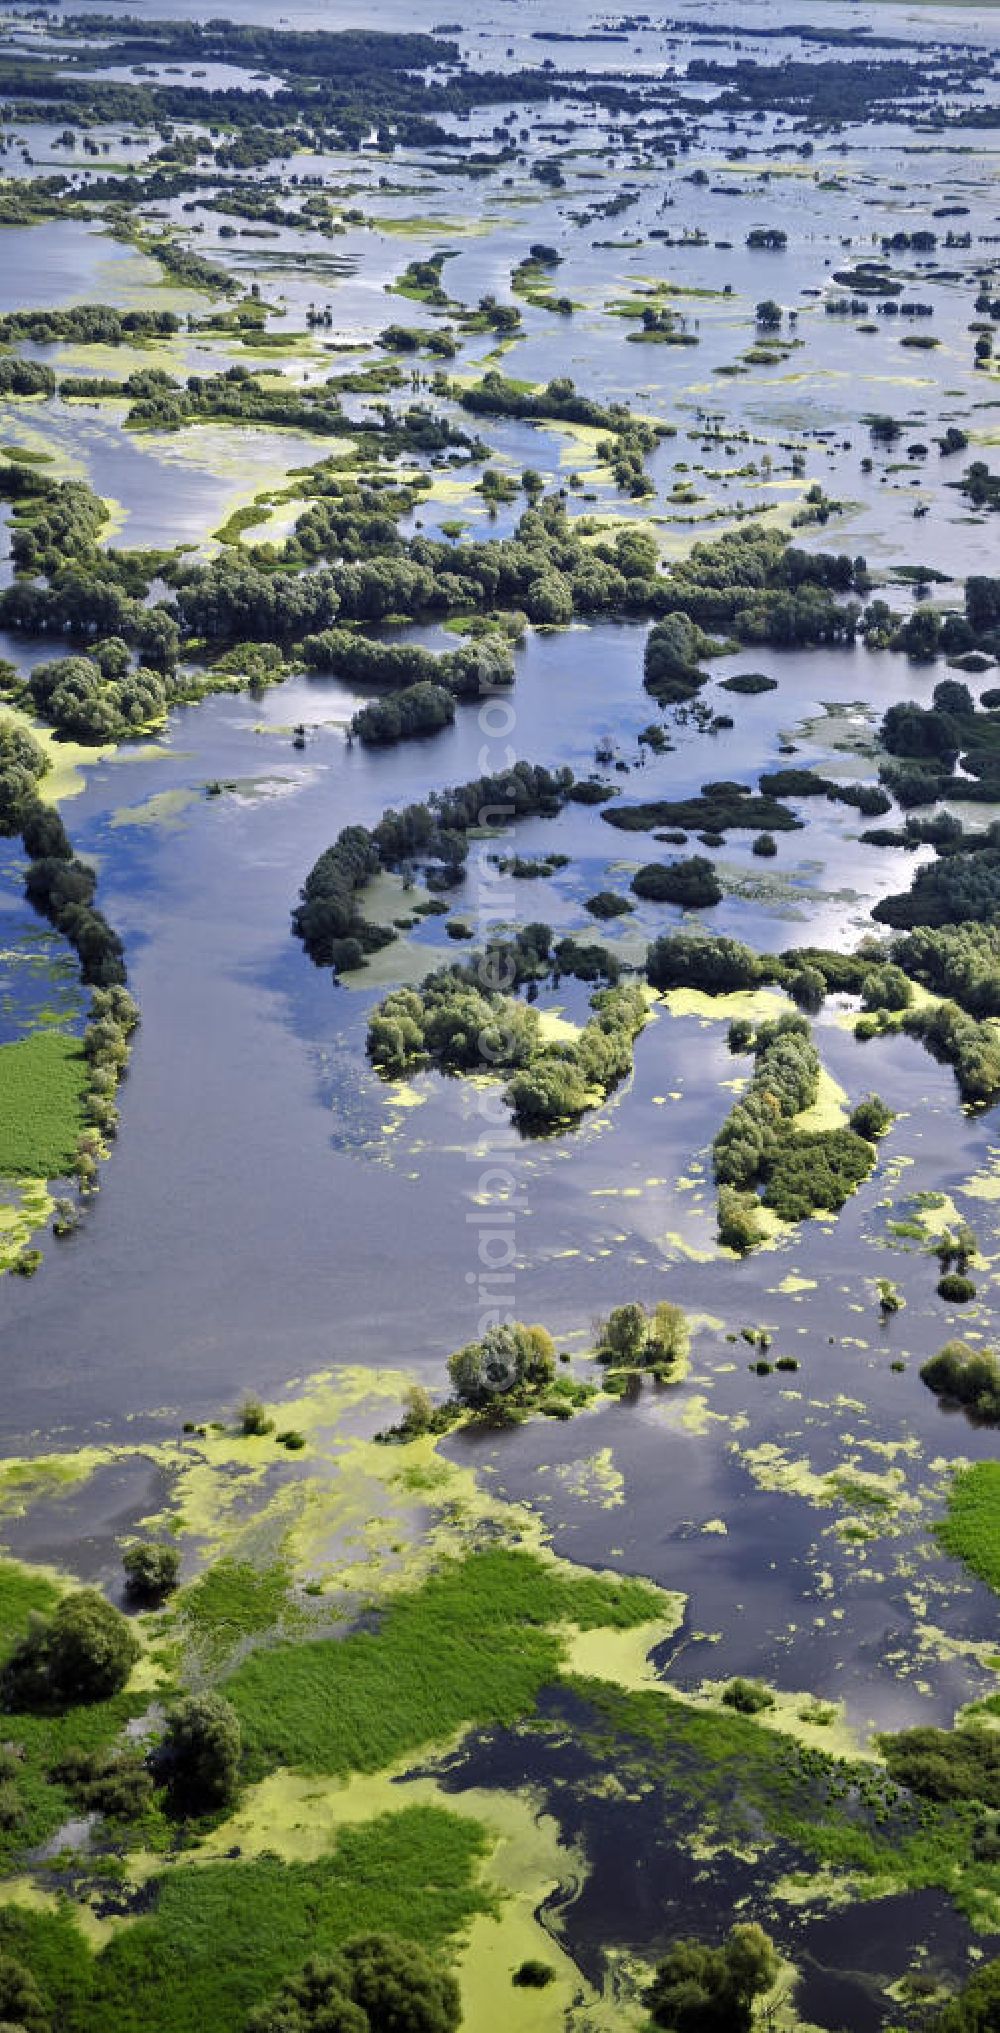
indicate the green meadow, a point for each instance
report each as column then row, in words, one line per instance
column 42, row 1080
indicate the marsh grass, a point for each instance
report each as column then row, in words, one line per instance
column 475, row 1644
column 221, row 1937
column 970, row 1529
column 42, row 1081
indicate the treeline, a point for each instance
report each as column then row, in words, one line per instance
column 800, row 1172
column 86, row 325
column 62, row 888
column 545, row 571
column 329, row 918
column 756, row 586
column 960, row 963
column 459, row 1026
column 467, row 672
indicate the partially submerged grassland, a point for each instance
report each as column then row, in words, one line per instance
column 42, row 1084
column 371, row 1613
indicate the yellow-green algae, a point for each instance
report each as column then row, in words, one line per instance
column 298, row 1817
column 347, row 1489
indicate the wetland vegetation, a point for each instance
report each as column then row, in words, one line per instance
column 459, row 485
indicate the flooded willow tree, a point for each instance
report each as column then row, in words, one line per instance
column 499, row 758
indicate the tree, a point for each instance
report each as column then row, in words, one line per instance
column 977, row 2006
column 151, row 1571
column 202, row 1749
column 21, row 2006
column 508, row 1358
column 871, row 1117
column 379, row 1983
column 626, row 1332
column 769, row 315
column 698, row 1989
column 671, row 1332
column 84, row 1651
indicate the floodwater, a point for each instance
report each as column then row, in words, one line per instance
column 271, row 1207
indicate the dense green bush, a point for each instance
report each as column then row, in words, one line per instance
column 22, row 2008
column 970, row 1376
column 202, row 1749
column 977, row 2006
column 946, row 1764
column 83, row 1652
column 377, row 1984
column 418, row 709
column 631, row 1337
column 748, row 1697
column 699, row 960
column 692, row 882
column 151, row 1570
column 958, row 1290
column 509, row 1359
column 698, row 1989
column 871, row 1117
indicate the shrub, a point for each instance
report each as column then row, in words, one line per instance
column 534, row 1975
column 969, row 1376
column 739, row 1218
column 692, row 882
column 510, row 1362
column 698, row 960
column 21, row 2007
column 119, row 1786
column 83, row 1652
column 378, row 1984
column 886, row 988
column 748, row 1697
column 946, row 1764
column 955, row 1288
column 608, row 904
column 871, row 1117
column 765, row 845
column 254, row 1421
column 151, row 1571
column 698, row 1989
column 202, row 1749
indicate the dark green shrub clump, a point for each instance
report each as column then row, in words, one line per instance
column 202, row 1749
column 748, row 1697
column 956, row 1288
column 22, row 2009
column 378, row 1984
column 117, row 1785
column 151, row 1571
column 534, row 1975
column 83, row 1652
column 693, row 882
column 254, row 1421
column 871, row 1117
column 946, row 1764
column 698, row 1989
column 969, row 1376
column 749, row 683
column 608, row 904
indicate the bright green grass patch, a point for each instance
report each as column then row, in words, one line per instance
column 42, row 1080
column 21, row 1591
column 223, row 1936
column 33, row 1804
column 234, row 1601
column 971, row 1527
column 474, row 1645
